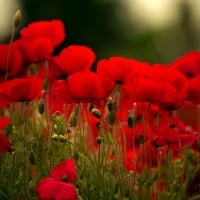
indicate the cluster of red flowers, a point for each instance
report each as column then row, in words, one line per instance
column 121, row 89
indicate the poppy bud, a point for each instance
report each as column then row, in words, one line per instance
column 198, row 145
column 111, row 117
column 73, row 119
column 90, row 106
column 45, row 84
column 62, row 138
column 41, row 106
column 141, row 139
column 99, row 139
column 96, row 112
column 55, row 137
column 130, row 122
column 17, row 18
column 31, row 157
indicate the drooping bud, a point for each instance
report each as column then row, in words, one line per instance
column 96, row 112
column 17, row 18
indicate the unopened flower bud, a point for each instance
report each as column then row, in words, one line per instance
column 55, row 137
column 98, row 125
column 198, row 145
column 17, row 18
column 141, row 139
column 62, row 138
column 73, row 119
column 41, row 106
column 96, row 112
column 31, row 157
column 90, row 106
column 45, row 84
column 99, row 139
column 130, row 122
column 111, row 117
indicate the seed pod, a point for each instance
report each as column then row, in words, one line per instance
column 31, row 157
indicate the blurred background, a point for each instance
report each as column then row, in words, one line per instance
column 157, row 31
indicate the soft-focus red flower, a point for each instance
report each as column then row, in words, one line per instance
column 75, row 58
column 36, row 50
column 194, row 90
column 86, row 85
column 53, row 30
column 39, row 39
column 119, row 69
column 15, row 61
column 58, row 187
column 4, row 121
column 53, row 189
column 188, row 64
column 65, row 170
column 25, row 89
column 5, row 144
column 165, row 135
column 168, row 75
column 50, row 70
column 141, row 89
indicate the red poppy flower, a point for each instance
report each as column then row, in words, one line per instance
column 188, row 64
column 60, row 92
column 65, row 170
column 36, row 50
column 75, row 58
column 58, row 187
column 166, row 74
column 4, row 121
column 166, row 135
column 53, row 30
column 194, row 90
column 15, row 62
column 25, row 89
column 85, row 85
column 5, row 144
column 52, row 189
column 50, row 70
column 120, row 69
